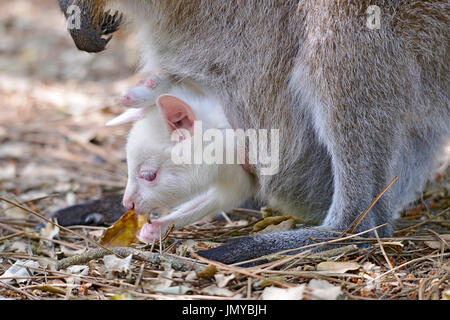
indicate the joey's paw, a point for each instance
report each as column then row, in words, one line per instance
column 152, row 232
column 141, row 93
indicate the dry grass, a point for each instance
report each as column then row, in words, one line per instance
column 412, row 265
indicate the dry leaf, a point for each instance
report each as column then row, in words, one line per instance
column 271, row 221
column 274, row 293
column 8, row 172
column 436, row 244
column 192, row 275
column 125, row 231
column 323, row 290
column 96, row 234
column 126, row 296
column 283, row 226
column 208, row 273
column 20, row 269
column 446, row 295
column 50, row 231
column 112, row 263
column 164, row 283
column 223, row 280
column 70, row 253
column 15, row 213
column 47, row 263
column 182, row 289
column 78, row 270
column 19, row 247
column 337, row 267
column 221, row 292
column 315, row 290
column 185, row 247
column 48, row 288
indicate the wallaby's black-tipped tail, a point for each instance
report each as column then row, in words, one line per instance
column 248, row 248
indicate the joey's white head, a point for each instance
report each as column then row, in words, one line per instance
column 155, row 181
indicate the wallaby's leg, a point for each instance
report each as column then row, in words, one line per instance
column 417, row 161
column 305, row 188
column 362, row 168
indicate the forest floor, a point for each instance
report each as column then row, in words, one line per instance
column 55, row 151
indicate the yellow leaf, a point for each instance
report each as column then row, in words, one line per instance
column 446, row 295
column 208, row 273
column 271, row 221
column 125, row 231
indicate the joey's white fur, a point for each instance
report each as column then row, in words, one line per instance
column 191, row 191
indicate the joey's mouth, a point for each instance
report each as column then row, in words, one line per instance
column 152, row 212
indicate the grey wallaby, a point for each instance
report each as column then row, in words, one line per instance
column 356, row 103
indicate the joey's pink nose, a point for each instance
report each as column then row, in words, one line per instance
column 128, row 203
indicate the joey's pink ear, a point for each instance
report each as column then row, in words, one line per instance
column 177, row 113
column 131, row 115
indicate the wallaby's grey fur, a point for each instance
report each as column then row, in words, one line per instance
column 356, row 106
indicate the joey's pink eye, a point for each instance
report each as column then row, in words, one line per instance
column 148, row 175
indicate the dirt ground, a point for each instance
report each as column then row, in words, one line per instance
column 55, row 151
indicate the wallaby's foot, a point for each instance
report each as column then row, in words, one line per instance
column 249, row 248
column 104, row 211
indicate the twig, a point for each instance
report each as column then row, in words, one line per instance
column 324, row 255
column 18, row 234
column 423, row 222
column 139, row 276
column 53, row 195
column 436, row 285
column 87, row 146
column 242, row 271
column 352, row 227
column 33, row 236
column 312, row 274
column 57, row 225
column 387, row 259
column 29, row 296
column 150, row 257
column 409, row 262
column 438, row 236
